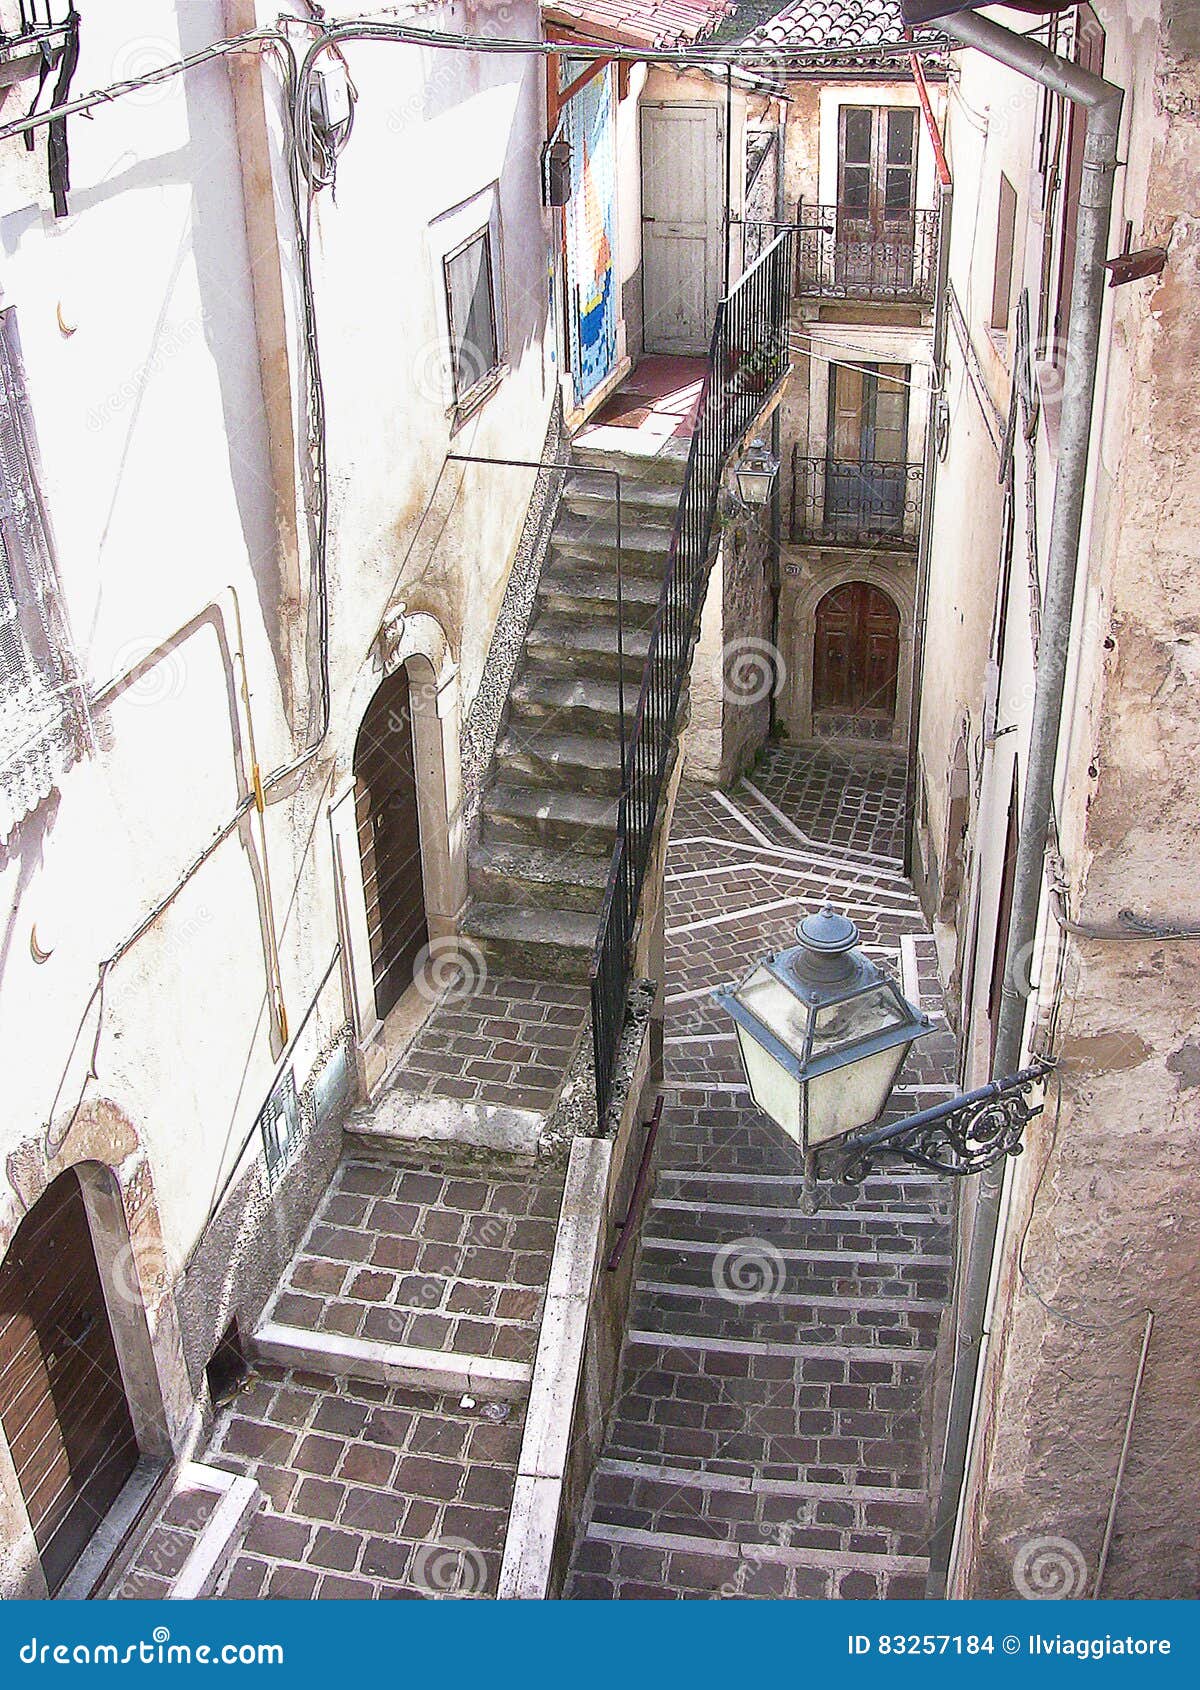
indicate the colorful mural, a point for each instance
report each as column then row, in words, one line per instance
column 591, row 214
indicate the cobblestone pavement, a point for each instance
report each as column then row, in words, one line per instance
column 374, row 1490
column 498, row 1041
column 768, row 1438
column 846, row 798
column 445, row 1253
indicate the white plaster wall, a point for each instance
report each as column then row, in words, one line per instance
column 159, row 481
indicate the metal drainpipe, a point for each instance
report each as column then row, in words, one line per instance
column 925, row 537
column 1102, row 102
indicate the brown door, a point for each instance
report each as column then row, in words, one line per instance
column 389, row 840
column 1003, row 917
column 856, row 659
column 876, row 223
column 62, row 1402
column 865, row 469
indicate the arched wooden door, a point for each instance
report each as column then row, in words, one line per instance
column 856, row 660
column 389, row 840
column 62, row 1402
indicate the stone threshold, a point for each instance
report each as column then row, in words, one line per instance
column 240, row 1500
column 835, row 1560
column 754, row 1484
column 441, row 1371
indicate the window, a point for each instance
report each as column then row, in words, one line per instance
column 877, row 162
column 41, row 713
column 471, row 312
column 1006, row 233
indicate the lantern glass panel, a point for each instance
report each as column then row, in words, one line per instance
column 857, row 1019
column 842, row 1099
column 776, row 1092
column 778, row 1008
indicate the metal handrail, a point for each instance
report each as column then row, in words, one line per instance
column 747, row 358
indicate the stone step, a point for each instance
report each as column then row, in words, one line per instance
column 758, row 1551
column 589, row 647
column 547, row 943
column 501, row 873
column 574, row 704
column 540, row 816
column 925, row 1199
column 443, row 1371
column 687, row 1313
column 575, row 762
column 686, row 1221
column 824, row 1272
column 728, row 1508
column 644, row 500
column 666, row 463
column 644, row 546
column 567, row 591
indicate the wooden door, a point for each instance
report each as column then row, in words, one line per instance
column 866, row 469
column 876, row 220
column 682, row 172
column 389, row 840
column 856, row 660
column 62, row 1402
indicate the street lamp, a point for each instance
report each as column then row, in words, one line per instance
column 756, row 470
column 823, row 1033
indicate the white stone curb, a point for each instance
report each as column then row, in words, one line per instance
column 533, row 1520
column 391, row 1364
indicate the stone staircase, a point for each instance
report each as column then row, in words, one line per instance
column 539, row 866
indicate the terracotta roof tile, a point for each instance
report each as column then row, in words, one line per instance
column 639, row 23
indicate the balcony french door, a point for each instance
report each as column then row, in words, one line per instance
column 875, row 240
column 866, row 469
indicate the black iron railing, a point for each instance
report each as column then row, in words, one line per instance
column 845, row 502
column 748, row 357
column 28, row 17
column 843, row 254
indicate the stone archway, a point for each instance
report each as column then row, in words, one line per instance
column 810, row 578
column 416, row 645
column 101, row 1152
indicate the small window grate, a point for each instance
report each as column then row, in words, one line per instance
column 279, row 1124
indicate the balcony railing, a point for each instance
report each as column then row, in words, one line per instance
column 748, row 357
column 852, row 255
column 841, row 502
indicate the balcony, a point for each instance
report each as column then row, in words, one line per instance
column 32, row 34
column 839, row 502
column 845, row 255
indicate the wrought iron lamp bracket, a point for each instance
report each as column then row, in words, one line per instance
column 963, row 1136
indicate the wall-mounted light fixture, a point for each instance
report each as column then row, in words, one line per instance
column 823, row 1032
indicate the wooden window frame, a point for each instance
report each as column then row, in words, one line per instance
column 1006, row 240
column 483, row 384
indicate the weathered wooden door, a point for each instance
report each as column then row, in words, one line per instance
column 62, row 1402
column 389, row 840
column 856, row 660
column 876, row 220
column 866, row 472
column 683, row 176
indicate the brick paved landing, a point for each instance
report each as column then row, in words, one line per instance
column 415, row 1246
column 848, row 798
column 768, row 1439
column 373, row 1491
column 497, row 1041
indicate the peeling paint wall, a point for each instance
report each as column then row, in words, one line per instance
column 1099, row 1221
